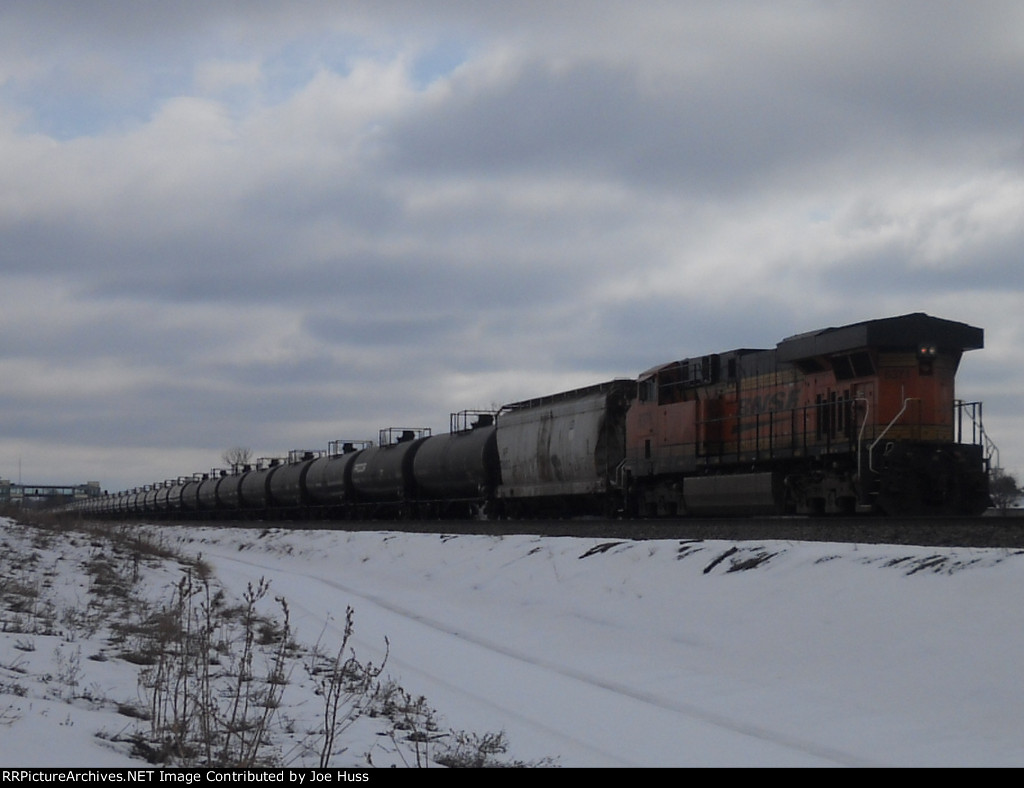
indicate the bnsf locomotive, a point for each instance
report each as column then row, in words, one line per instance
column 861, row 418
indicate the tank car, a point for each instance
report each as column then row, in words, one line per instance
column 217, row 495
column 254, row 486
column 148, row 500
column 189, row 491
column 328, row 481
column 286, row 487
column 134, row 501
column 455, row 475
column 856, row 418
column 164, row 492
column 382, row 480
column 559, row 454
column 229, row 494
column 175, row 494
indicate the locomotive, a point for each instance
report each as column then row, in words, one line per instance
column 860, row 418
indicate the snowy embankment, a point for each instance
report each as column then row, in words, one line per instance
column 584, row 651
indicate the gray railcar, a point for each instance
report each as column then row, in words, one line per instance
column 562, row 453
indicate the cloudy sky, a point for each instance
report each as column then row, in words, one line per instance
column 274, row 224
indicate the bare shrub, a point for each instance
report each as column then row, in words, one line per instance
column 412, row 722
column 484, row 751
column 201, row 715
column 9, row 715
column 69, row 670
column 344, row 684
column 213, row 673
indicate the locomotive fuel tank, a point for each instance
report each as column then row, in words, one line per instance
column 733, row 494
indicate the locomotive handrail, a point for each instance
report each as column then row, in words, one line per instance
column 871, row 448
column 860, row 433
column 979, row 437
column 773, row 442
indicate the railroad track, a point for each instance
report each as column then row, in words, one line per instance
column 989, row 531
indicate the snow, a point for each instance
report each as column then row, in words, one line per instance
column 584, row 651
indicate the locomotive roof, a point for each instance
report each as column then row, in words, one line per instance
column 906, row 332
column 744, row 353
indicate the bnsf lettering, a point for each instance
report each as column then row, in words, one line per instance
column 769, row 403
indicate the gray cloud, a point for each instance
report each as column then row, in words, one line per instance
column 275, row 224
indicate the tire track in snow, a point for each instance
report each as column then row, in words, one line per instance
column 608, row 758
column 821, row 752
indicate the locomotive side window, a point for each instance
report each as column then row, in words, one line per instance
column 711, row 368
column 810, row 365
column 671, row 383
column 854, row 365
column 863, row 366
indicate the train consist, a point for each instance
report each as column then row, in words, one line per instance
column 860, row 418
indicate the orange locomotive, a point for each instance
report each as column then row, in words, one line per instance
column 861, row 417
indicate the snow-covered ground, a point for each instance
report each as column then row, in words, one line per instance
column 583, row 651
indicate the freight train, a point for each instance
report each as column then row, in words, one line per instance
column 860, row 418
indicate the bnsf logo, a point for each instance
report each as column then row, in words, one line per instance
column 769, row 403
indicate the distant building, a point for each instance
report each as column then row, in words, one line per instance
column 33, row 495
